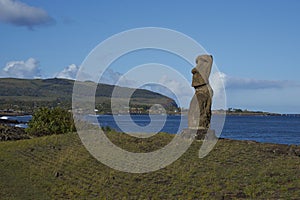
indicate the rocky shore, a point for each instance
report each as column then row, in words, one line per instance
column 9, row 133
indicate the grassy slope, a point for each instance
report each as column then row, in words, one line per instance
column 59, row 167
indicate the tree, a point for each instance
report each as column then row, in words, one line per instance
column 47, row 121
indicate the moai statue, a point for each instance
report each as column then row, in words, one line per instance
column 199, row 114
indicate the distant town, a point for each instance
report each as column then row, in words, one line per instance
column 159, row 110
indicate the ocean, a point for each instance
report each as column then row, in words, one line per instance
column 266, row 129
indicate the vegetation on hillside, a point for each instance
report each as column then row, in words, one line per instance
column 46, row 121
column 28, row 94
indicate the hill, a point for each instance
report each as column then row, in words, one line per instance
column 238, row 111
column 27, row 94
column 59, row 167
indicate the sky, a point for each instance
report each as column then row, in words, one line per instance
column 255, row 44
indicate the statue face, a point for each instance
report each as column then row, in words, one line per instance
column 197, row 78
column 202, row 70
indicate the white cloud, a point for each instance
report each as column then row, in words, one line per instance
column 180, row 88
column 21, row 14
column 177, row 89
column 22, row 69
column 253, row 84
column 217, row 82
column 116, row 78
column 237, row 83
column 255, row 94
column 69, row 72
column 108, row 77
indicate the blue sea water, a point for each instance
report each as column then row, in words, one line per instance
column 270, row 129
column 267, row 129
column 23, row 120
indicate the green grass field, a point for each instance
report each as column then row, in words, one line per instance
column 59, row 167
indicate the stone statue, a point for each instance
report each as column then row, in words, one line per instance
column 199, row 114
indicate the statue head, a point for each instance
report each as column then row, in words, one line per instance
column 202, row 70
column 204, row 58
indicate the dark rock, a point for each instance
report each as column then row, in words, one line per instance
column 281, row 149
column 58, row 174
column 8, row 133
column 294, row 150
column 241, row 195
column 8, row 121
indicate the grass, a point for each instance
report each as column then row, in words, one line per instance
column 59, row 167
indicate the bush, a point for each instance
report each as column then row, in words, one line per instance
column 47, row 121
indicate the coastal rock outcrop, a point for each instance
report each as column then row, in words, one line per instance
column 8, row 133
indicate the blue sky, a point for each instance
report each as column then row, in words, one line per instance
column 255, row 44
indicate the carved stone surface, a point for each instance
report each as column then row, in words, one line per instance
column 202, row 70
column 199, row 115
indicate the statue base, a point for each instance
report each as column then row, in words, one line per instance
column 200, row 134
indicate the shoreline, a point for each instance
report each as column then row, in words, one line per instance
column 214, row 112
column 15, row 123
column 13, row 133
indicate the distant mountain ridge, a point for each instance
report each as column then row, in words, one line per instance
column 27, row 94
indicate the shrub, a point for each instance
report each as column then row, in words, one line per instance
column 47, row 121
